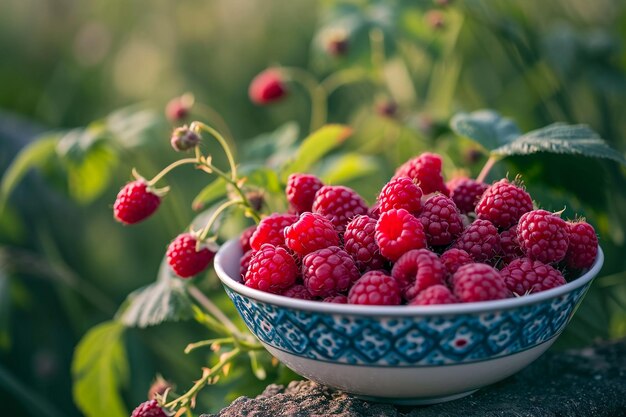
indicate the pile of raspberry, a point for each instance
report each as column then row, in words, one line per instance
column 423, row 242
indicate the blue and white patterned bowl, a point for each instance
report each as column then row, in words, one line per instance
column 404, row 354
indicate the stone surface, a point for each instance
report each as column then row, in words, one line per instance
column 588, row 382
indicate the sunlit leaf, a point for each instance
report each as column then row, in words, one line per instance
column 348, row 167
column 133, row 126
column 275, row 145
column 100, row 370
column 486, row 127
column 88, row 178
column 210, row 193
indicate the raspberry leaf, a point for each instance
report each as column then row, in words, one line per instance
column 562, row 139
column 133, row 126
column 99, row 370
column 347, row 167
column 272, row 147
column 486, row 127
column 210, row 193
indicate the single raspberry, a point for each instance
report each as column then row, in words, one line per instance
column 177, row 109
column 310, row 233
column 271, row 230
column 300, row 190
column 135, row 202
column 360, row 242
column 583, row 245
column 183, row 139
column 426, row 170
column 328, row 271
column 453, row 259
column 509, row 245
column 272, row 269
column 244, row 263
column 436, row 294
column 244, row 239
column 336, row 299
column 524, row 276
column 543, row 236
column 399, row 193
column 387, row 108
column 340, row 204
column 417, row 270
column 298, row 291
column 149, row 409
column 466, row 192
column 267, row 87
column 441, row 220
column 478, row 282
column 397, row 232
column 480, row 240
column 375, row 288
column 503, row 204
column 183, row 257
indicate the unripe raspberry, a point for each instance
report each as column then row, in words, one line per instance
column 336, row 43
column 543, row 236
column 480, row 240
column 339, row 204
column 301, row 190
column 400, row 192
column 310, row 233
column 441, row 220
column 158, row 387
column 583, row 245
column 375, row 288
column 465, row 193
column 360, row 242
column 503, row 204
column 525, row 276
column 397, row 232
column 328, row 271
column 387, row 108
column 267, row 87
column 272, row 269
column 435, row 19
column 183, row 139
column 426, row 170
column 478, row 282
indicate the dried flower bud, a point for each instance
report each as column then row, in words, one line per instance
column 183, row 138
column 158, row 387
column 256, row 199
column 267, row 87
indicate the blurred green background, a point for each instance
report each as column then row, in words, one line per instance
column 65, row 265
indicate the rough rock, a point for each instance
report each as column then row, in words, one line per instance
column 588, row 382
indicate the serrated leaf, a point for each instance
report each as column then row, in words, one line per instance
column 263, row 177
column 164, row 300
column 561, row 138
column 133, row 126
column 100, row 370
column 210, row 193
column 486, row 127
column 33, row 155
column 315, row 146
column 348, row 167
column 88, row 178
column 276, row 145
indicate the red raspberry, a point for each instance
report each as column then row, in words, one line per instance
column 298, row 291
column 244, row 239
column 310, row 233
column 583, row 245
column 149, row 409
column 272, row 269
column 375, row 288
column 360, row 242
column 417, row 270
column 267, row 87
column 509, row 245
column 426, row 170
column 397, row 232
column 436, row 294
column 328, row 271
column 271, row 230
column 340, row 204
column 400, row 192
column 244, row 263
column 503, row 204
column 177, row 109
column 453, row 259
column 336, row 299
column 300, row 190
column 183, row 257
column 524, row 276
column 543, row 236
column 480, row 240
column 135, row 202
column 441, row 220
column 466, row 192
column 478, row 282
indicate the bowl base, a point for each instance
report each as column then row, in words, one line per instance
column 416, row 401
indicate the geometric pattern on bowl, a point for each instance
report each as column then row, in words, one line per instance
column 409, row 341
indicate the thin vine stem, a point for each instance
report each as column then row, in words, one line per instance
column 214, row 216
column 485, row 171
column 317, row 92
column 229, row 155
column 170, row 167
column 209, row 306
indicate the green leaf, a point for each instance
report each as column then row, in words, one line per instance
column 88, row 178
column 34, row 155
column 133, row 126
column 99, row 370
column 76, row 144
column 348, row 167
column 315, row 146
column 210, row 193
column 276, row 145
column 263, row 177
column 26, row 395
column 164, row 300
column 486, row 127
column 5, row 310
column 561, row 138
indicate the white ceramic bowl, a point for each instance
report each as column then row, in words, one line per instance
column 404, row 354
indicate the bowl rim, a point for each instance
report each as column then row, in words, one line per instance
column 403, row 310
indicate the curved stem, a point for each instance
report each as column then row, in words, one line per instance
column 485, row 171
column 343, row 77
column 208, row 305
column 214, row 117
column 207, row 228
column 171, row 167
column 317, row 92
column 377, row 45
column 222, row 142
